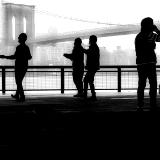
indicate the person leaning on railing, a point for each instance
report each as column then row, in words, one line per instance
column 146, row 60
column 21, row 57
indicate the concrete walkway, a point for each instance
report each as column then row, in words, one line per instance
column 54, row 120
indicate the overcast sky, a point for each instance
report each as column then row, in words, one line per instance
column 115, row 11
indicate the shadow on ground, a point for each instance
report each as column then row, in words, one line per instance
column 47, row 123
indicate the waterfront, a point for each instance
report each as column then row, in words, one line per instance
column 45, row 80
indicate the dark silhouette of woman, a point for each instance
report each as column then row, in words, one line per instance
column 146, row 60
column 77, row 58
column 21, row 57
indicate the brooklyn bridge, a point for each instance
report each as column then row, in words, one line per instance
column 21, row 18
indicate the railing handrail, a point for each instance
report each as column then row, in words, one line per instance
column 117, row 68
column 69, row 66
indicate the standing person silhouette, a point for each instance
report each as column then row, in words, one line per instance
column 21, row 56
column 92, row 65
column 146, row 60
column 77, row 58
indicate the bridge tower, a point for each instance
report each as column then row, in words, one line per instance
column 18, row 18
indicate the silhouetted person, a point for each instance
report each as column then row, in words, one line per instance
column 77, row 58
column 92, row 65
column 146, row 60
column 21, row 56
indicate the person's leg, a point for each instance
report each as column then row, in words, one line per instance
column 16, row 95
column 77, row 79
column 21, row 91
column 153, row 85
column 91, row 83
column 142, row 75
column 19, row 78
column 20, row 87
column 80, row 81
column 86, row 84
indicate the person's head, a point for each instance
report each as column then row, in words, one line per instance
column 92, row 39
column 147, row 25
column 77, row 42
column 22, row 38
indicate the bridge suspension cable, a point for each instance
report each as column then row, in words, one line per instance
column 77, row 19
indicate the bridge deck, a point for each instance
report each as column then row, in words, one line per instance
column 50, row 121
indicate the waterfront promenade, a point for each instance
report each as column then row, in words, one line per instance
column 57, row 120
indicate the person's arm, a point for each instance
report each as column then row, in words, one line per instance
column 154, row 36
column 8, row 57
column 30, row 57
column 158, row 33
column 29, row 54
column 11, row 56
column 69, row 56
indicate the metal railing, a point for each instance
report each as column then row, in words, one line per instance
column 59, row 78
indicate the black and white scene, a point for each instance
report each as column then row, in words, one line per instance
column 81, row 73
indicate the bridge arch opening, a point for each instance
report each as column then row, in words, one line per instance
column 24, row 24
column 13, row 27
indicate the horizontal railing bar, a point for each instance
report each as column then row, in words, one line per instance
column 38, row 71
column 59, row 67
column 59, row 73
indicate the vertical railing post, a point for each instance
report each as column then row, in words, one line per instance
column 3, row 80
column 119, row 79
column 62, row 80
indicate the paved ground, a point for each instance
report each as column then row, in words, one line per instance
column 44, row 122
